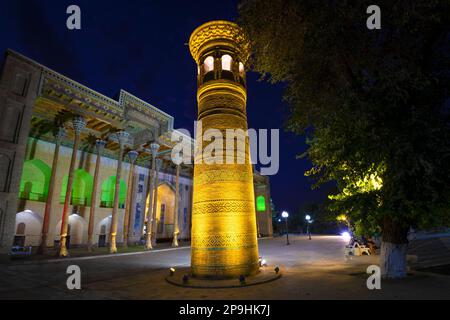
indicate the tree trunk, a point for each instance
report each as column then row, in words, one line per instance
column 393, row 249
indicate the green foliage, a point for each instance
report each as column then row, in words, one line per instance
column 361, row 228
column 374, row 104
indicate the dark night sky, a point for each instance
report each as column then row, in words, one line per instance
column 139, row 46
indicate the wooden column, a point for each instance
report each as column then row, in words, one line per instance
column 132, row 156
column 99, row 145
column 78, row 125
column 59, row 134
column 122, row 138
column 176, row 228
column 155, row 202
column 154, row 147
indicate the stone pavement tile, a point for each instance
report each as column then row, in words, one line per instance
column 314, row 269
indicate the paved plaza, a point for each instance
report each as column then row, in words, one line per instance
column 315, row 269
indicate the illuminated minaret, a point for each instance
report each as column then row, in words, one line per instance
column 224, row 235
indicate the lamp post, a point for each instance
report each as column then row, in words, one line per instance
column 308, row 222
column 285, row 215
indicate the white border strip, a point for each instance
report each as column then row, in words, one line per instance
column 103, row 256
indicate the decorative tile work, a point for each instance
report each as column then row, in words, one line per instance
column 224, row 207
column 208, row 177
column 223, row 241
column 219, row 30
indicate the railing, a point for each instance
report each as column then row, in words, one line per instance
column 83, row 202
column 106, row 204
column 110, row 204
column 32, row 196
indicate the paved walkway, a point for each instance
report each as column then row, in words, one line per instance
column 315, row 269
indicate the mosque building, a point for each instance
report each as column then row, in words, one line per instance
column 75, row 167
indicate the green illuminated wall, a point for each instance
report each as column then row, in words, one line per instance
column 108, row 189
column 82, row 188
column 35, row 180
column 260, row 204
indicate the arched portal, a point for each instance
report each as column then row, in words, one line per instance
column 108, row 189
column 82, row 188
column 165, row 210
column 103, row 228
column 28, row 228
column 35, row 180
column 260, row 204
column 75, row 231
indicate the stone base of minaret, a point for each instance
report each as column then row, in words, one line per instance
column 182, row 277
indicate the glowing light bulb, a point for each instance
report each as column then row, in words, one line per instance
column 346, row 236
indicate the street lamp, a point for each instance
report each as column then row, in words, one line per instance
column 285, row 215
column 308, row 222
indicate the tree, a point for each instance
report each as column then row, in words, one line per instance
column 373, row 104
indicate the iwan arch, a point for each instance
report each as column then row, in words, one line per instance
column 53, row 130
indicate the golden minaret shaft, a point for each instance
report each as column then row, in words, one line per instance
column 224, row 235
